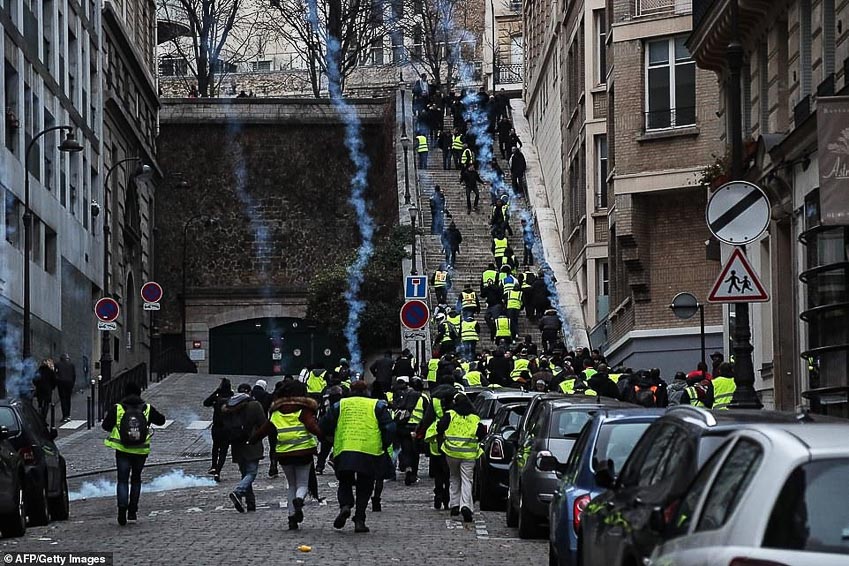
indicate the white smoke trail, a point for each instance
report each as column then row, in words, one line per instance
column 359, row 183
column 175, row 479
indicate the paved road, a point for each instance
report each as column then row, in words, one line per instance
column 197, row 525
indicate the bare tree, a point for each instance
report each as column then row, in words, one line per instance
column 439, row 36
column 222, row 34
column 359, row 26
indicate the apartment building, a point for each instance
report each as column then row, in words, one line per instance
column 51, row 77
column 504, row 46
column 793, row 119
column 130, row 126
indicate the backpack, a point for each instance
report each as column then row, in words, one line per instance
column 676, row 393
column 645, row 396
column 133, row 428
column 235, row 427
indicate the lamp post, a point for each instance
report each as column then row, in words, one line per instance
column 208, row 221
column 105, row 345
column 68, row 145
column 405, row 143
column 413, row 213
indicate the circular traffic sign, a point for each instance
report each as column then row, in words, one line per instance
column 151, row 292
column 414, row 315
column 738, row 213
column 107, row 309
column 684, row 305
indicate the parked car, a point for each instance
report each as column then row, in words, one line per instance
column 546, row 435
column 13, row 516
column 46, row 481
column 608, row 438
column 490, row 400
column 622, row 526
column 771, row 496
column 491, row 469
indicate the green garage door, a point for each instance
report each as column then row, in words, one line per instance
column 270, row 346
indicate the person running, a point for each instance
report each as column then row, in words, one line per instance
column 242, row 416
column 217, row 400
column 362, row 429
column 128, row 424
column 461, row 432
column 294, row 426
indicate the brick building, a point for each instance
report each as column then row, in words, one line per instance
column 795, row 59
column 257, row 204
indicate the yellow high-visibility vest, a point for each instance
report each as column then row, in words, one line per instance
column 500, row 246
column 421, row 144
column 357, row 429
column 502, row 327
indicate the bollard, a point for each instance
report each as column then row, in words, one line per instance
column 88, row 417
column 52, row 415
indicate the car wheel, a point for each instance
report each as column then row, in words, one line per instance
column 488, row 501
column 512, row 516
column 15, row 523
column 38, row 506
column 60, row 506
column 528, row 527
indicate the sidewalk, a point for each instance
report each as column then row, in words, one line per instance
column 184, row 437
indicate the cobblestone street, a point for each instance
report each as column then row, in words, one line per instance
column 198, row 525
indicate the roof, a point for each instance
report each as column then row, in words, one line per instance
column 814, row 436
column 583, row 400
column 506, row 392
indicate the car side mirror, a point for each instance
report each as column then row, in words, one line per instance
column 54, row 433
column 547, row 463
column 604, row 476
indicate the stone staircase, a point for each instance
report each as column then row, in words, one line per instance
column 475, row 251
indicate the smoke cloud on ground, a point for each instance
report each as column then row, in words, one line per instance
column 175, row 479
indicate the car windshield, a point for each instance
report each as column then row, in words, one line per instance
column 616, row 441
column 8, row 420
column 808, row 515
column 567, row 423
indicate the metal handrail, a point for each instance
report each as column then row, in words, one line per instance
column 112, row 391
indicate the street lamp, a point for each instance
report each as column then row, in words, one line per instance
column 68, row 145
column 208, row 221
column 405, row 143
column 413, row 213
column 143, row 170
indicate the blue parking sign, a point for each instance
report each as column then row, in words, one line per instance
column 416, row 287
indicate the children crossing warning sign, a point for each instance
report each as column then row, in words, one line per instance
column 738, row 282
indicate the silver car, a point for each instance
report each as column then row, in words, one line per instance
column 772, row 495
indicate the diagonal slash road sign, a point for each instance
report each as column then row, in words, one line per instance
column 738, row 213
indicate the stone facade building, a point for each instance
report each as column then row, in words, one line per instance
column 622, row 156
column 258, row 204
column 795, row 59
column 504, row 46
column 51, row 53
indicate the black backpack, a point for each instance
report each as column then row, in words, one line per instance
column 645, row 396
column 235, row 426
column 133, row 428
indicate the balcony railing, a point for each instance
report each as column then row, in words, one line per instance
column 509, row 73
column 653, row 7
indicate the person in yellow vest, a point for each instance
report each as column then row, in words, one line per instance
column 499, row 245
column 410, row 407
column 520, row 374
column 470, row 336
column 468, row 302
column 489, row 276
column 293, row 424
column 506, row 279
column 440, row 281
column 503, row 330
column 432, row 366
column 447, row 335
column 362, row 429
column 441, row 399
column 474, row 377
column 422, row 150
column 513, row 298
column 316, row 382
column 128, row 424
column 468, row 156
column 461, row 432
column 724, row 387
column 457, row 147
column 567, row 386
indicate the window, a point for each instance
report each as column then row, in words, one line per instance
column 13, row 220
column 675, row 459
column 828, row 23
column 694, row 494
column 746, row 95
column 36, row 249
column 616, row 441
column 50, row 254
column 730, row 484
column 567, row 424
column 603, row 278
column 601, row 46
column 260, row 66
column 655, row 454
column 601, row 171
column 808, row 514
column 805, row 47
column 763, row 88
column 670, row 84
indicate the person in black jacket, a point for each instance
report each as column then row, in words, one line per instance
column 451, row 240
column 438, row 468
column 66, row 376
column 518, row 168
column 499, row 368
column 217, row 400
column 128, row 461
column 45, row 383
column 601, row 383
column 404, row 364
column 470, row 179
column 382, row 372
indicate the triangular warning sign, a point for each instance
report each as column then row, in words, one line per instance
column 738, row 282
